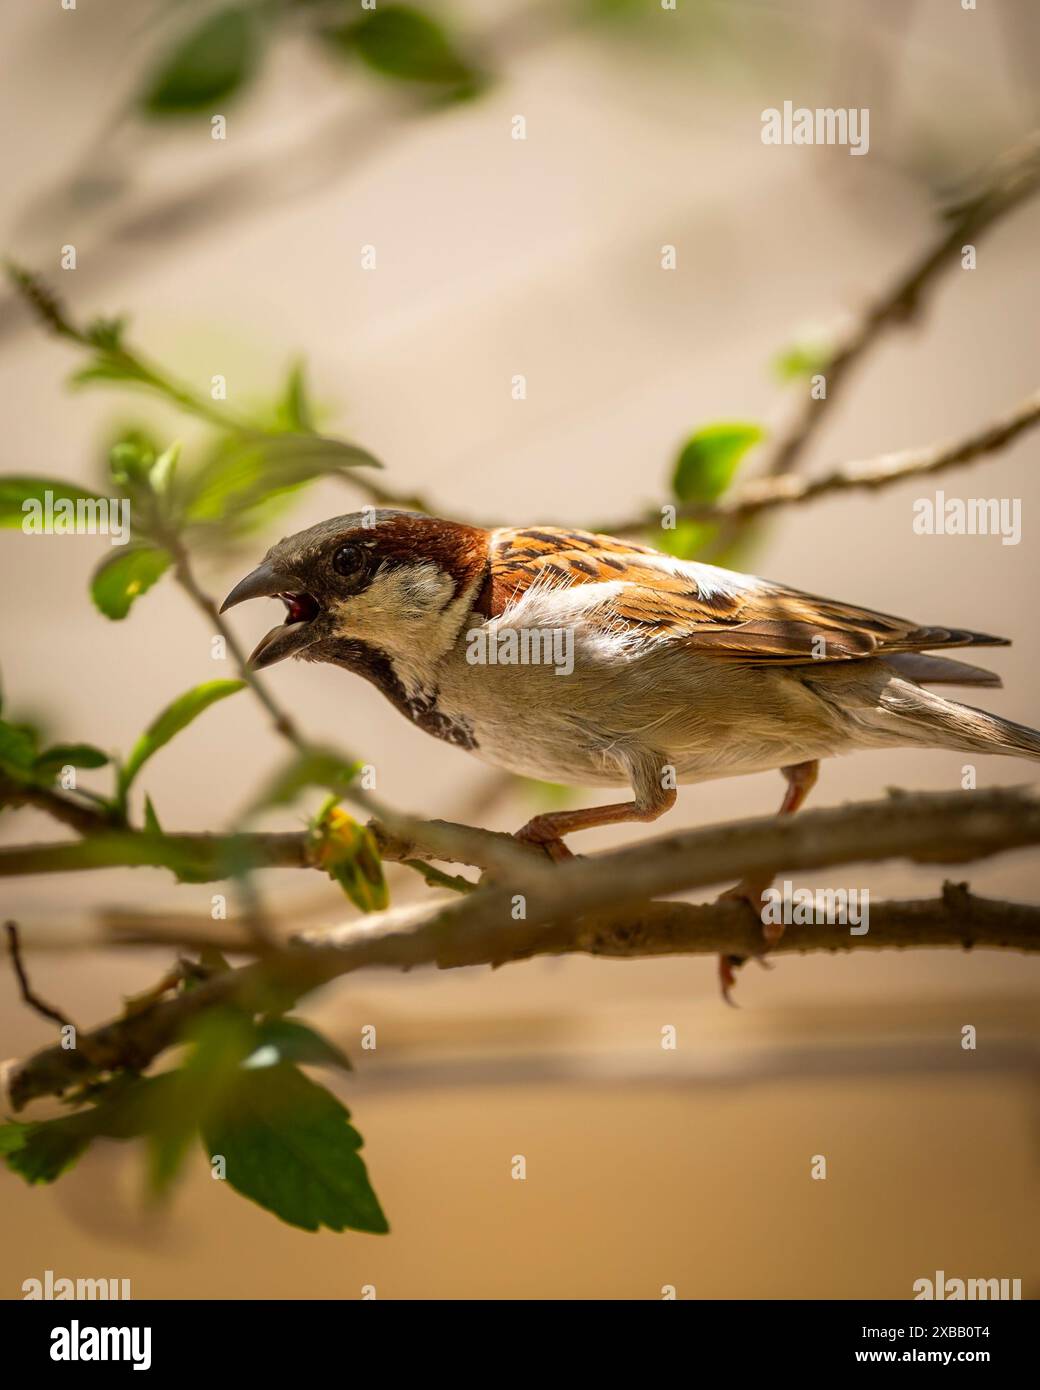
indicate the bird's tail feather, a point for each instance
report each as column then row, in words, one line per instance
column 963, row 727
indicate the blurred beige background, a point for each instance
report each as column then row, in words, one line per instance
column 541, row 257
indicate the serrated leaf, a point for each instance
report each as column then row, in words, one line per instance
column 288, row 1145
column 211, row 63
column 290, row 1040
column 710, row 458
column 173, row 719
column 125, row 576
column 199, row 1087
column 60, row 755
column 404, row 43
column 123, row 1110
column 16, row 490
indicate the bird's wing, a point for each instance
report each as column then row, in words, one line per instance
column 649, row 597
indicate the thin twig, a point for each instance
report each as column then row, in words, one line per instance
column 1014, row 178
column 763, row 494
column 87, row 818
column 33, row 1000
column 403, row 939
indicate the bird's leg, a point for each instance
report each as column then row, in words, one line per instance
column 549, row 828
column 801, row 778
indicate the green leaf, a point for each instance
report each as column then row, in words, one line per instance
column 107, row 333
column 709, row 460
column 294, row 409
column 240, row 478
column 348, row 853
column 125, row 576
column 197, row 1089
column 51, row 760
column 13, row 1136
column 107, row 369
column 48, row 1148
column 130, row 461
column 16, row 490
column 213, row 62
column 403, row 43
column 288, row 1146
column 171, row 721
column 290, row 1040
column 17, row 750
column 161, row 473
column 319, row 768
column 151, row 820
column 688, row 539
column 802, row 359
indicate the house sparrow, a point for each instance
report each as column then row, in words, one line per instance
column 585, row 659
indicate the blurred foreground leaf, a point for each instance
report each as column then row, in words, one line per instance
column 403, row 43
column 211, row 63
column 171, row 721
column 290, row 1040
column 317, row 768
column 16, row 490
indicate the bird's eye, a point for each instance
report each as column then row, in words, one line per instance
column 348, row 560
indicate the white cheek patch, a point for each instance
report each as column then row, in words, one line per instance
column 399, row 599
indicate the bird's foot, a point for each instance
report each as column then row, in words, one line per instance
column 750, row 891
column 537, row 836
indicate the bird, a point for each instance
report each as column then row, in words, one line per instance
column 592, row 660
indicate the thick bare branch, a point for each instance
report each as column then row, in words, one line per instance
column 403, row 939
column 601, row 905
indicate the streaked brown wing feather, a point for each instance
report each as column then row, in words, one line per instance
column 756, row 622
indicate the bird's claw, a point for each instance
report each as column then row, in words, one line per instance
column 749, row 891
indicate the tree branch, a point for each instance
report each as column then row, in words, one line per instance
column 400, row 940
column 1014, row 178
column 763, row 494
column 83, row 816
column 600, row 906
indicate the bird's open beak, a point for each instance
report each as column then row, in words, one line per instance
column 289, row 638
